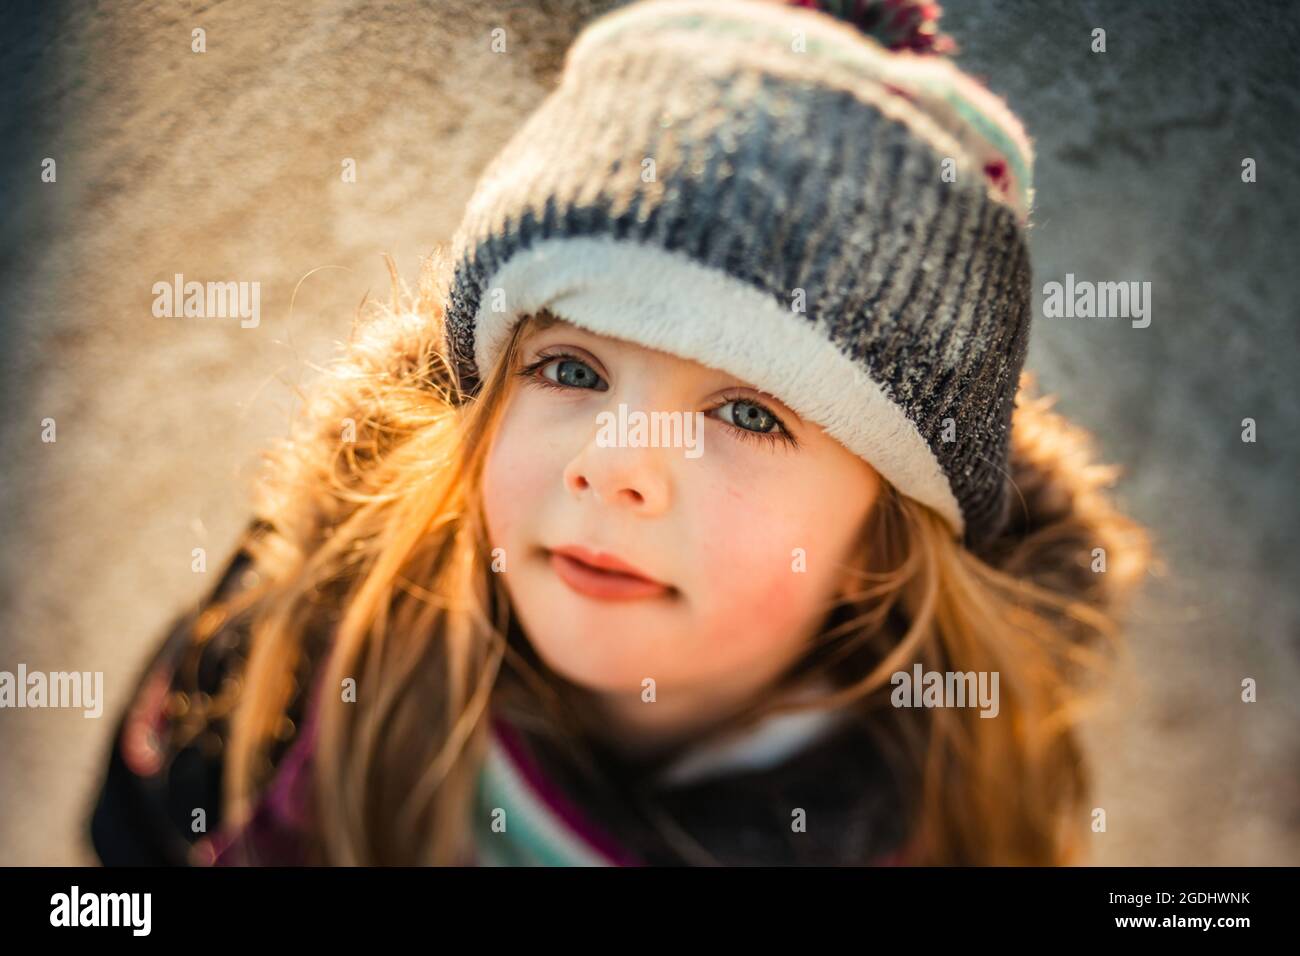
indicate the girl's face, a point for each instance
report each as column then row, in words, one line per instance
column 749, row 525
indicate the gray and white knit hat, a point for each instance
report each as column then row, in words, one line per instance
column 771, row 192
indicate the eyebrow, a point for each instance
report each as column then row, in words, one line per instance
column 544, row 319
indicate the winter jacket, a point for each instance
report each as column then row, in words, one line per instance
column 733, row 800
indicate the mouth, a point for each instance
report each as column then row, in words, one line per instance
column 603, row 576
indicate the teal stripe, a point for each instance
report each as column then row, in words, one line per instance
column 526, row 841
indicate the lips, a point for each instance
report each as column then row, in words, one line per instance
column 603, row 576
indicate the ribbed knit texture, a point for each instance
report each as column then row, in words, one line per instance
column 790, row 171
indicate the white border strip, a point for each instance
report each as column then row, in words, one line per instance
column 667, row 301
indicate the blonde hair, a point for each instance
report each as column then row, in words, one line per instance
column 372, row 564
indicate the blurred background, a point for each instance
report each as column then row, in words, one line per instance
column 226, row 165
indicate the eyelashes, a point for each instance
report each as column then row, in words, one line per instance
column 529, row 372
column 777, row 436
column 774, row 438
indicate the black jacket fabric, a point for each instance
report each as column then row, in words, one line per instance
column 743, row 817
column 160, row 770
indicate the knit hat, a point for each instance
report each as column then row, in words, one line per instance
column 771, row 192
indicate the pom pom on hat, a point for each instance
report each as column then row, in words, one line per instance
column 896, row 24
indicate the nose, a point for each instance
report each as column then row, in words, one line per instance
column 631, row 478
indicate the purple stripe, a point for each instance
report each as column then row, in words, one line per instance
column 275, row 833
column 551, row 797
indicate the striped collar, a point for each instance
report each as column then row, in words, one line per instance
column 522, row 817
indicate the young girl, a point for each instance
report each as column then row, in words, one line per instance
column 850, row 620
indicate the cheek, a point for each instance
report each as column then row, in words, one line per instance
column 764, row 565
column 512, row 481
column 766, row 604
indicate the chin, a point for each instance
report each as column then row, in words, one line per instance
column 590, row 676
column 575, row 656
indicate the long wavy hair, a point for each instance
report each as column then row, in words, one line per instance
column 373, row 567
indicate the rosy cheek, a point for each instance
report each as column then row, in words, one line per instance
column 746, row 556
column 742, row 522
column 756, row 613
column 509, row 486
column 784, row 596
column 759, row 555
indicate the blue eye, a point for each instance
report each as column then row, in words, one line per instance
column 569, row 371
column 750, row 416
column 751, row 421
